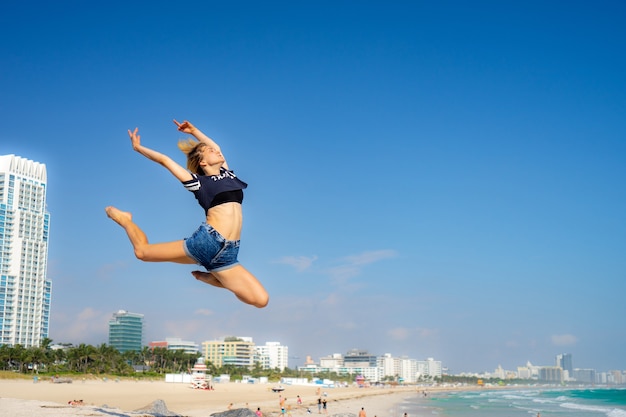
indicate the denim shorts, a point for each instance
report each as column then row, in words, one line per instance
column 211, row 250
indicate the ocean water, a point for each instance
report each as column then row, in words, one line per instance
column 588, row 402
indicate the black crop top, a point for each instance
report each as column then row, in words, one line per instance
column 235, row 196
column 212, row 190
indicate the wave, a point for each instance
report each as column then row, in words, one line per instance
column 515, row 397
column 610, row 412
column 544, row 400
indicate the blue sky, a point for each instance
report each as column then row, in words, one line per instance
column 429, row 179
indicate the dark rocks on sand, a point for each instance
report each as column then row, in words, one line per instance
column 157, row 409
column 239, row 412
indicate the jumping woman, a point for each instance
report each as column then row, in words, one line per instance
column 215, row 244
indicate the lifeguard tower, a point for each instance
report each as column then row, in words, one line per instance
column 199, row 378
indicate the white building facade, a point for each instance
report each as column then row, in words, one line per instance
column 176, row 343
column 408, row 370
column 273, row 355
column 187, row 346
column 389, row 366
column 25, row 291
column 430, row 368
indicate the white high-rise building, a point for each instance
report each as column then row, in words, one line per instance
column 408, row 370
column 24, row 225
column 430, row 368
column 273, row 355
column 389, row 365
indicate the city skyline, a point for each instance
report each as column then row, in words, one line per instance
column 433, row 179
column 563, row 359
column 243, row 350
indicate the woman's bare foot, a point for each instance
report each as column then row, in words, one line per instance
column 207, row 278
column 118, row 216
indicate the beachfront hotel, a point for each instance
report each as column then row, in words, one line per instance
column 236, row 351
column 272, row 355
column 126, row 331
column 25, row 290
column 176, row 343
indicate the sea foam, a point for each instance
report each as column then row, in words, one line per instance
column 610, row 412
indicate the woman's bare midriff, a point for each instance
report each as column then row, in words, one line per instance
column 227, row 219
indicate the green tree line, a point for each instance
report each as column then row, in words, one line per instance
column 107, row 360
column 89, row 359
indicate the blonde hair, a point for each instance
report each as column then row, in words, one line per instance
column 193, row 149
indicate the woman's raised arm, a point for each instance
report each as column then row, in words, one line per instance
column 178, row 171
column 187, row 127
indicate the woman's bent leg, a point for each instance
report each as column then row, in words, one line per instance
column 243, row 284
column 158, row 252
column 207, row 278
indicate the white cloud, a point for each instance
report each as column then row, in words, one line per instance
column 300, row 263
column 346, row 325
column 107, row 271
column 369, row 257
column 332, row 299
column 203, row 312
column 426, row 333
column 399, row 333
column 511, row 344
column 351, row 265
column 185, row 329
column 88, row 314
column 343, row 273
column 87, row 326
column 563, row 339
column 404, row 333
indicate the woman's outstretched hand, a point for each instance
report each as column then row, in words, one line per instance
column 185, row 127
column 135, row 138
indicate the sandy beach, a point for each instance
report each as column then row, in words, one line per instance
column 122, row 398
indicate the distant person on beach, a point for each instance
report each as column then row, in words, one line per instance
column 258, row 412
column 215, row 244
column 362, row 412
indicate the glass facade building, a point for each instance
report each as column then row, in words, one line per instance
column 25, row 291
column 126, row 331
column 564, row 360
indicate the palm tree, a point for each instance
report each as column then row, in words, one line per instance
column 45, row 343
column 34, row 358
column 80, row 357
column 59, row 359
column 145, row 356
column 5, row 356
column 105, row 358
column 257, row 370
column 18, row 357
